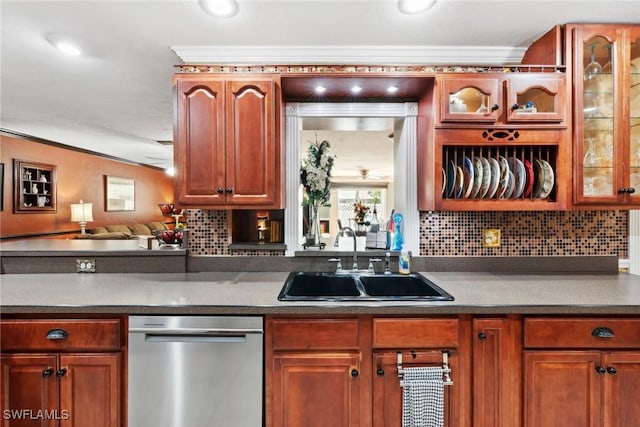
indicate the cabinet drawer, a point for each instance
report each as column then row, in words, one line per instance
column 64, row 334
column 315, row 334
column 582, row 333
column 415, row 333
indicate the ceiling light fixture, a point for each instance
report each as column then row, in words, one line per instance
column 412, row 7
column 392, row 89
column 64, row 45
column 320, row 89
column 220, row 8
column 355, row 89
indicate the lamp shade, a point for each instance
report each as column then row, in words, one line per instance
column 81, row 212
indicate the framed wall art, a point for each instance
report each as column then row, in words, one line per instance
column 119, row 194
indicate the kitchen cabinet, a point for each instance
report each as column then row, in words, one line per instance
column 227, row 141
column 497, row 367
column 501, row 143
column 416, row 342
column 66, row 372
column 606, row 64
column 35, row 187
column 582, row 372
column 315, row 373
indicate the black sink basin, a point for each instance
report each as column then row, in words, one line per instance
column 301, row 286
column 398, row 286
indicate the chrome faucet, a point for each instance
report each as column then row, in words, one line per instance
column 355, row 245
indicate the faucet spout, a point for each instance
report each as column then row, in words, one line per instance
column 355, row 245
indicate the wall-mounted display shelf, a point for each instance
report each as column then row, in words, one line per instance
column 35, row 187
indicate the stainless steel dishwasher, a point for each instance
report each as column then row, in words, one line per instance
column 195, row 371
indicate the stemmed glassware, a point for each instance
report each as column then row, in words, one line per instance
column 593, row 69
column 608, row 67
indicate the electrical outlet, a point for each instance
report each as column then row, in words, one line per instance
column 85, row 265
column 491, row 237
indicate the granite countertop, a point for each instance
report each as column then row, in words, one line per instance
column 81, row 247
column 256, row 293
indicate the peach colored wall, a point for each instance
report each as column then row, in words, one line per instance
column 79, row 176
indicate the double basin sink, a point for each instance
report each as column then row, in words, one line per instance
column 353, row 286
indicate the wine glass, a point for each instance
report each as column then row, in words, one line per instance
column 593, row 69
column 608, row 67
column 591, row 157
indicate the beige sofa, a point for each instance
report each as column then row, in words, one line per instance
column 123, row 232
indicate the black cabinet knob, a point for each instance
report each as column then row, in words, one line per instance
column 47, row 372
column 612, row 370
column 219, row 190
column 354, row 373
column 495, row 107
column 482, row 336
column 380, row 372
column 631, row 190
column 622, row 190
column 61, row 372
column 600, row 369
column 515, row 107
column 229, row 190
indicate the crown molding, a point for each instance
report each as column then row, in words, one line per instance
column 348, row 55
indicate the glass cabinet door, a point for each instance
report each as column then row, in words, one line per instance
column 535, row 97
column 470, row 99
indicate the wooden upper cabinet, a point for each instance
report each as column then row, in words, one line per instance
column 503, row 98
column 227, row 141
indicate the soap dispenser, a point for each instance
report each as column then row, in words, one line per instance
column 398, row 240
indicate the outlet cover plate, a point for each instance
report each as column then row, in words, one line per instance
column 491, row 237
column 85, row 265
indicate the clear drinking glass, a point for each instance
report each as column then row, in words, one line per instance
column 593, row 69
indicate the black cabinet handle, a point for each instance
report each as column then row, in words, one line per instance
column 600, row 369
column 47, row 372
column 380, row 372
column 622, row 190
column 631, row 190
column 495, row 107
column 61, row 372
column 354, row 373
column 612, row 370
column 514, row 107
column 482, row 336
column 603, row 332
column 219, row 190
column 229, row 190
column 57, row 334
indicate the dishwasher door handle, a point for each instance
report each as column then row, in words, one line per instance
column 197, row 338
column 197, row 331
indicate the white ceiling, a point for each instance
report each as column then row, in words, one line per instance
column 117, row 98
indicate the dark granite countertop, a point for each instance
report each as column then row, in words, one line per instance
column 256, row 293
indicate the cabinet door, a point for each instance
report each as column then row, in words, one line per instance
column 534, row 97
column 496, row 373
column 562, row 389
column 387, row 393
column 29, row 388
column 316, row 390
column 199, row 148
column 90, row 389
column 621, row 389
column 252, row 150
column 470, row 99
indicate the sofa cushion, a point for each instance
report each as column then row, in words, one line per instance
column 97, row 230
column 157, row 226
column 118, row 229
column 139, row 230
column 104, row 236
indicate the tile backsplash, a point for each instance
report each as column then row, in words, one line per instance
column 460, row 233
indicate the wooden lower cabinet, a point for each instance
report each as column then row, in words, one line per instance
column 581, row 372
column 62, row 373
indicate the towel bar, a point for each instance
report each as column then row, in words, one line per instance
column 446, row 370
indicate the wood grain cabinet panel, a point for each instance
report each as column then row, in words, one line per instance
column 227, row 147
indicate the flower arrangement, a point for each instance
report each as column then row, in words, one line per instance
column 360, row 211
column 315, row 173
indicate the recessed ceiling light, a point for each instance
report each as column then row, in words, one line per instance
column 356, row 89
column 171, row 171
column 64, row 45
column 220, row 8
column 320, row 89
column 411, row 7
column 392, row 89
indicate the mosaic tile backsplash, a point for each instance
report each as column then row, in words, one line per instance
column 460, row 233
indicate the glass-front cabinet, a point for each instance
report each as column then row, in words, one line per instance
column 607, row 114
